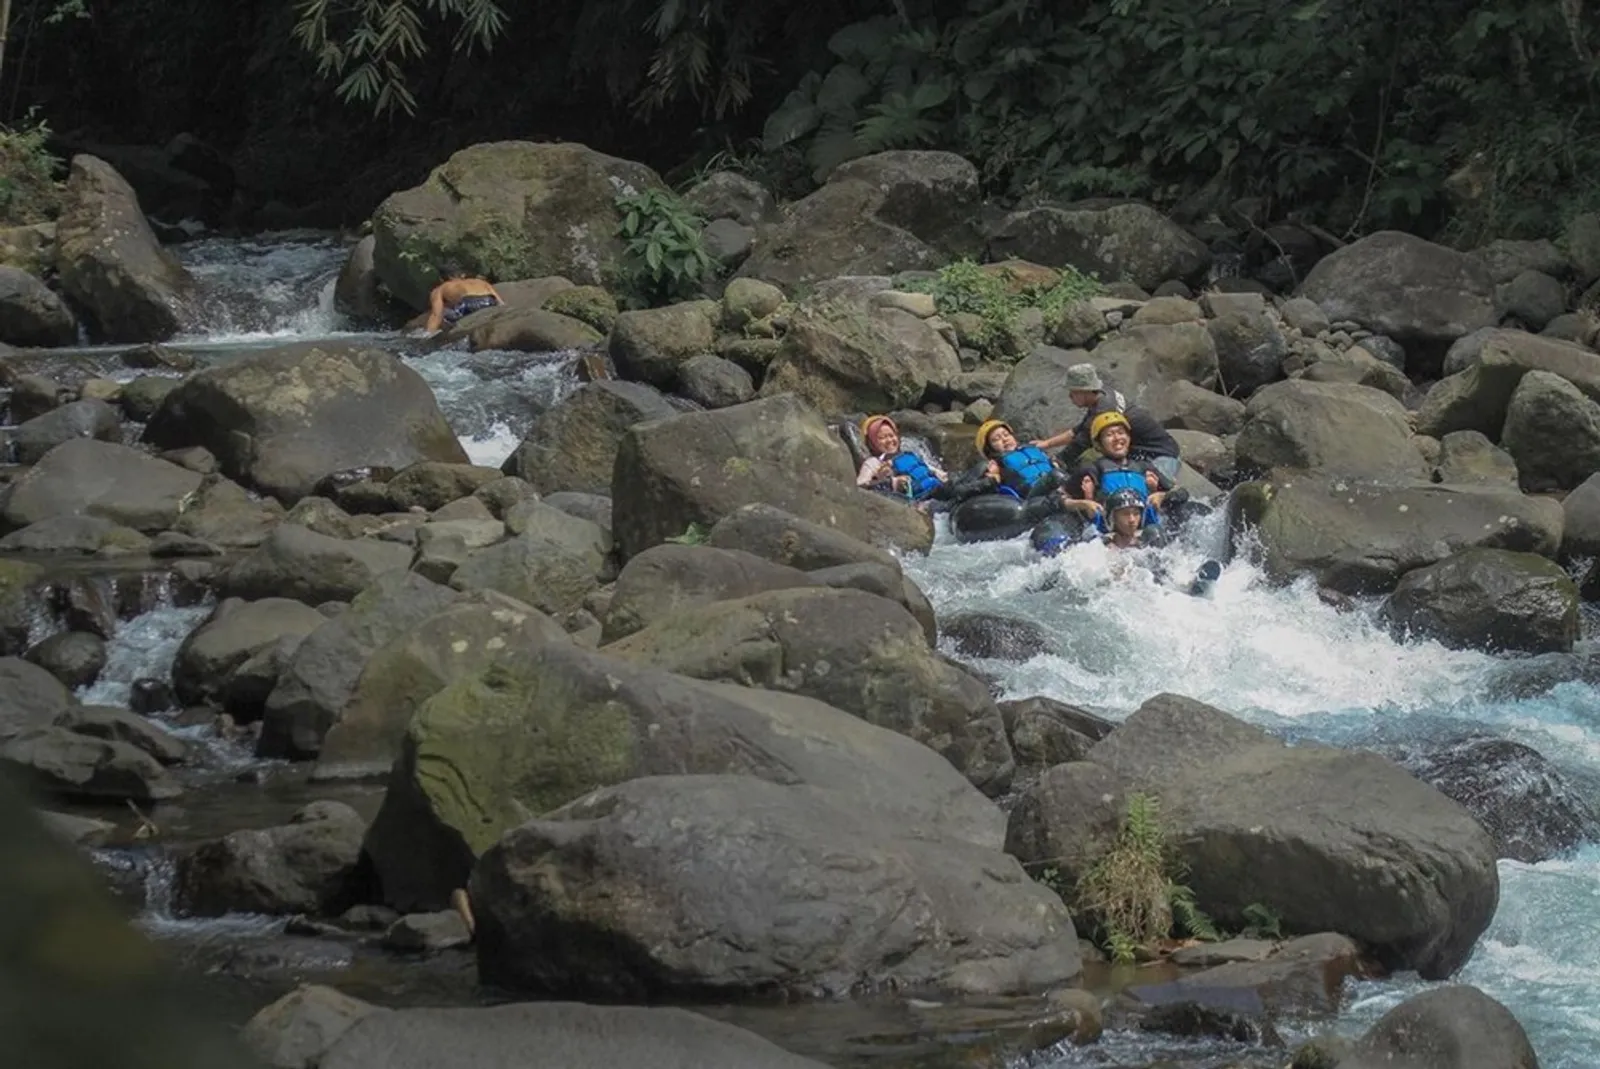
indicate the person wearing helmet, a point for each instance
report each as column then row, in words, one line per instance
column 1024, row 469
column 1125, row 520
column 1149, row 439
column 1116, row 470
column 890, row 468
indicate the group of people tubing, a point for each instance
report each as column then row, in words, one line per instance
column 1121, row 496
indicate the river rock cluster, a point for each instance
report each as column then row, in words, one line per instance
column 658, row 712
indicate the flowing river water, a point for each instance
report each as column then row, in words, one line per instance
column 1278, row 656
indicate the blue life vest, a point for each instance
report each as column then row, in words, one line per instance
column 1112, row 481
column 1027, row 464
column 923, row 480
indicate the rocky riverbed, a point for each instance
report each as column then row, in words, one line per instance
column 657, row 708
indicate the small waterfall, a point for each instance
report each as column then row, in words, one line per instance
column 269, row 286
column 493, row 396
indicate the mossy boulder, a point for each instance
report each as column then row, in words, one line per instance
column 587, row 304
column 17, row 579
column 651, row 344
column 1489, row 598
column 856, row 651
column 529, row 733
column 507, row 210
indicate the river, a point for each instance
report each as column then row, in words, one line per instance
column 1277, row 656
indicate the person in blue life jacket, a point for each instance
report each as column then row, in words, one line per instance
column 1115, row 470
column 892, row 469
column 1026, row 470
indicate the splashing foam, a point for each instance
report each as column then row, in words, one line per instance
column 1262, row 651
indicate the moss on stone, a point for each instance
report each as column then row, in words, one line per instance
column 508, row 744
column 587, row 304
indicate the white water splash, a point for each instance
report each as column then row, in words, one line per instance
column 491, row 398
column 264, row 288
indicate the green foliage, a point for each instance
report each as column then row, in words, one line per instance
column 665, row 258
column 693, row 535
column 1133, row 895
column 1261, row 922
column 367, row 44
column 997, row 299
column 1354, row 111
column 30, row 190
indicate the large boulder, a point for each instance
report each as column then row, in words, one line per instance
column 1552, row 432
column 877, row 215
column 1250, row 348
column 651, row 344
column 309, row 865
column 1422, row 295
column 1330, row 428
column 1580, row 535
column 841, row 357
column 787, row 539
column 732, row 885
column 530, row 733
column 856, row 651
column 1477, row 398
column 1489, row 599
column 296, row 562
column 316, row 686
column 1534, row 811
column 298, row 1029
column 553, row 1035
column 697, row 467
column 235, row 632
column 110, row 262
column 573, row 444
column 30, row 697
column 405, row 672
column 282, row 419
column 85, row 477
column 1451, row 1027
column 88, row 418
column 30, row 312
column 507, row 210
column 64, row 763
column 1126, row 242
column 672, row 578
column 552, row 568
column 1329, row 839
column 1360, row 538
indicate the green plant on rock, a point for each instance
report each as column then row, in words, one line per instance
column 1261, row 922
column 664, row 256
column 987, row 304
column 30, row 189
column 1133, row 896
column 693, row 535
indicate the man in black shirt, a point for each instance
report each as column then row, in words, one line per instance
column 1151, row 441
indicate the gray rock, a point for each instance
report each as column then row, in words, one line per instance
column 423, row 933
column 1453, row 1027
column 1552, row 432
column 30, row 697
column 885, row 908
column 31, row 314
column 1532, row 299
column 77, row 419
column 714, row 382
column 65, row 763
column 306, row 866
column 298, row 1029
column 102, row 479
column 235, row 632
column 573, row 445
column 74, row 657
column 554, row 1035
column 1291, row 828
column 295, row 562
column 119, row 725
column 1489, row 599
column 672, row 578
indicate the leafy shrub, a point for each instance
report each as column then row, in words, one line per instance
column 30, row 189
column 1132, row 896
column 665, row 258
column 997, row 299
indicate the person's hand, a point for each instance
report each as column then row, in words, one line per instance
column 900, row 483
column 1158, row 498
column 1040, row 443
column 992, row 471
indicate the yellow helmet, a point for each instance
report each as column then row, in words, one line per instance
column 1105, row 420
column 988, row 427
column 871, row 421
